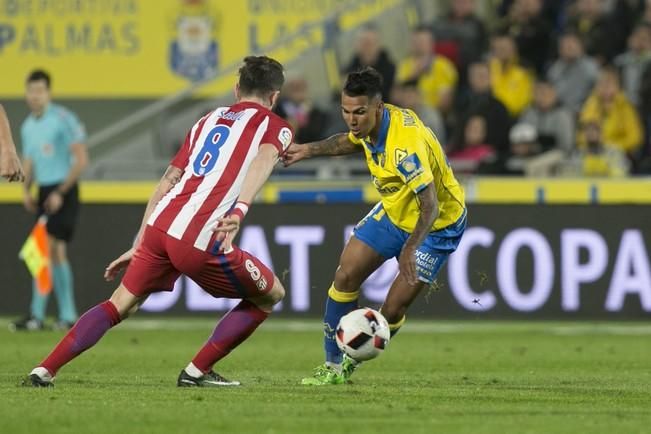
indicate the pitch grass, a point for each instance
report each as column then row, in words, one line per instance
column 444, row 377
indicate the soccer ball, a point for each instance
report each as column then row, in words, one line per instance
column 363, row 334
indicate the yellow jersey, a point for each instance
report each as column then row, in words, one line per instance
column 406, row 158
column 440, row 78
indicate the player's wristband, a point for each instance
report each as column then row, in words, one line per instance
column 240, row 209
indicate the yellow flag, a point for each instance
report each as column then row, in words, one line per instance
column 36, row 254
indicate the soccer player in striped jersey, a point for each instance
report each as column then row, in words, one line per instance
column 419, row 219
column 189, row 226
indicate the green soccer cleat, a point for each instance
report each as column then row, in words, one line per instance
column 348, row 366
column 324, row 375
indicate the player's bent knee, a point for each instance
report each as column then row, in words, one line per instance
column 277, row 292
column 345, row 281
column 275, row 295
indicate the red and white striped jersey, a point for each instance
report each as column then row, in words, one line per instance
column 215, row 158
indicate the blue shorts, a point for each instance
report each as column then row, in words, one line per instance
column 379, row 233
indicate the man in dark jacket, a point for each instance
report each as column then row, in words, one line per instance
column 370, row 52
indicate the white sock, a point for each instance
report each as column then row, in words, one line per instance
column 42, row 373
column 193, row 371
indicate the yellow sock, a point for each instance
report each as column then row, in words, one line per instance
column 393, row 328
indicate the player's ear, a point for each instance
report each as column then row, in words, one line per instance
column 236, row 91
column 273, row 98
column 380, row 107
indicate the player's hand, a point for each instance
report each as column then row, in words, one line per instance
column 29, row 203
column 10, row 167
column 118, row 265
column 227, row 228
column 407, row 265
column 53, row 202
column 295, row 153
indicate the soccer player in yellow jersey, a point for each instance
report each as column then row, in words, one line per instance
column 419, row 220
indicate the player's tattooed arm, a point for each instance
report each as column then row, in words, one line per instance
column 172, row 175
column 428, row 213
column 337, row 144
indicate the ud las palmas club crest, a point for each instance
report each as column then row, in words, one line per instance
column 194, row 51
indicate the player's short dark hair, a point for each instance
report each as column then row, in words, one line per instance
column 364, row 82
column 38, row 75
column 260, row 76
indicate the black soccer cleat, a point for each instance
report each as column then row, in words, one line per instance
column 211, row 379
column 33, row 380
column 28, row 323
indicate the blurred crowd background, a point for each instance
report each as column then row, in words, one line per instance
column 541, row 88
column 527, row 87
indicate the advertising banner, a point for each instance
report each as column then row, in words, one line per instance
column 147, row 48
column 515, row 261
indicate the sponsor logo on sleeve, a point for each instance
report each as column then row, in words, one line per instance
column 285, row 137
column 410, row 167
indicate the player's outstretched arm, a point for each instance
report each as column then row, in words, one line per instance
column 258, row 173
column 10, row 167
column 428, row 213
column 337, row 144
column 171, row 177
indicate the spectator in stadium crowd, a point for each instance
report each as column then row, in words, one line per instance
column 644, row 166
column 480, row 101
column 597, row 158
column 599, row 31
column 55, row 156
column 531, row 31
column 574, row 73
column 523, row 147
column 461, row 36
column 10, row 167
column 408, row 95
column 552, row 10
column 608, row 106
column 633, row 62
column 370, row 52
column 554, row 123
column 646, row 15
column 474, row 150
column 296, row 107
column 524, row 140
column 512, row 84
column 436, row 75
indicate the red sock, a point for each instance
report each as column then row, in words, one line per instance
column 232, row 330
column 88, row 329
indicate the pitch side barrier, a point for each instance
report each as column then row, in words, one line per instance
column 515, row 261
